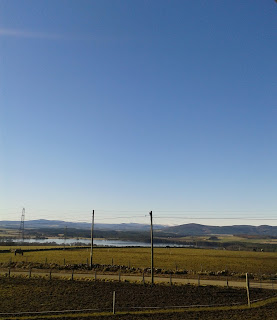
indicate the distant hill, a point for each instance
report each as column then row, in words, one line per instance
column 42, row 223
column 199, row 229
column 189, row 229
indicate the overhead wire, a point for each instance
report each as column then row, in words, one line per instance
column 128, row 215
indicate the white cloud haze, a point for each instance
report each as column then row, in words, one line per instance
column 28, row 34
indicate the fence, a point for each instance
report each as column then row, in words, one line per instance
column 113, row 309
column 143, row 278
column 119, row 308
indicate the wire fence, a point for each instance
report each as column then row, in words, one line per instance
column 129, row 308
column 143, row 276
column 126, row 309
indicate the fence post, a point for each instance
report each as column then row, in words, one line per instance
column 143, row 278
column 247, row 290
column 227, row 283
column 198, row 280
column 50, row 274
column 72, row 275
column 114, row 302
column 30, row 272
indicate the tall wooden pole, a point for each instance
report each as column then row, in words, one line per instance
column 152, row 249
column 91, row 234
column 114, row 302
column 248, row 290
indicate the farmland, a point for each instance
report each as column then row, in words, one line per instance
column 170, row 259
column 137, row 301
column 16, row 295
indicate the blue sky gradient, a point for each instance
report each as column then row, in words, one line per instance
column 130, row 106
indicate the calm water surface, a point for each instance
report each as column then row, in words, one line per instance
column 104, row 242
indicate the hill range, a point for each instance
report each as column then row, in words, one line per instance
column 43, row 223
column 179, row 230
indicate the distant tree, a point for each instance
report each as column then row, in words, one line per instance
column 214, row 237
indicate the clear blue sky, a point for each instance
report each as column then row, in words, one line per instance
column 130, row 106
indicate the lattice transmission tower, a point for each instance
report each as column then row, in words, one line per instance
column 21, row 228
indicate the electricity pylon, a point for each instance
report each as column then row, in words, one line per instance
column 21, row 228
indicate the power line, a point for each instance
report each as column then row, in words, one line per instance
column 216, row 218
column 156, row 217
column 145, row 211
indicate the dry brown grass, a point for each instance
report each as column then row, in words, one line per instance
column 165, row 258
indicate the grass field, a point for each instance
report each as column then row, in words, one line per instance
column 193, row 260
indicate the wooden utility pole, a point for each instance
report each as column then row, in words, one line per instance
column 91, row 234
column 152, row 250
column 248, row 290
column 114, row 302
